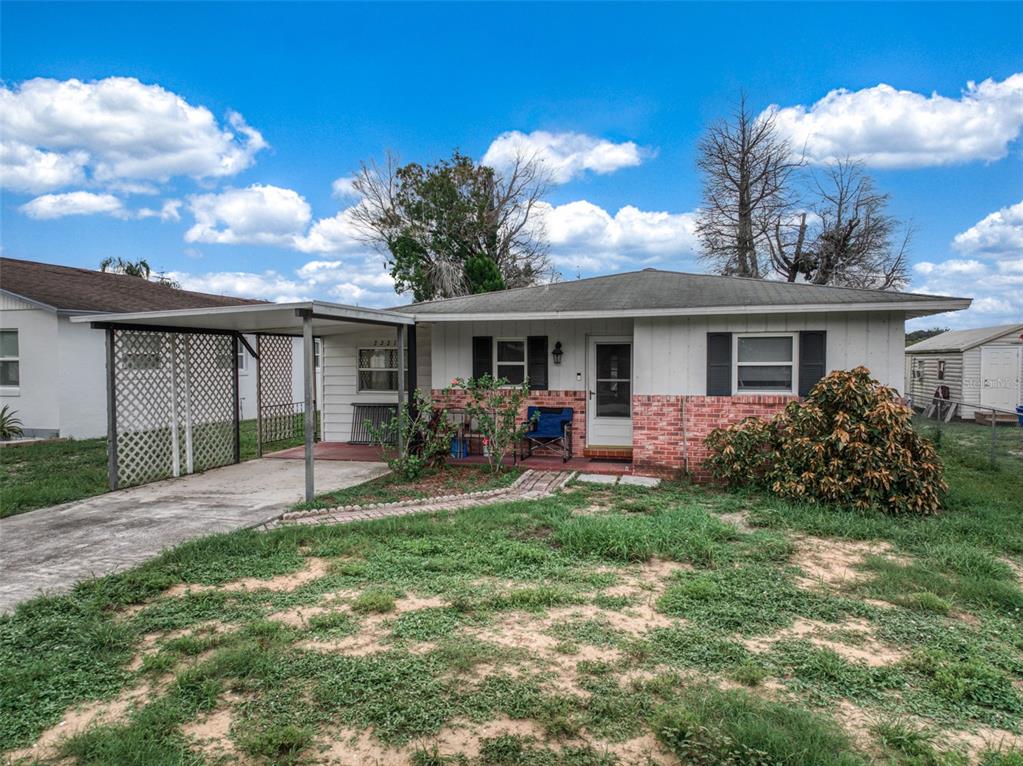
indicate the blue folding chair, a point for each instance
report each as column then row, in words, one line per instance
column 550, row 431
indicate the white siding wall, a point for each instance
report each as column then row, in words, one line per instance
column 37, row 399
column 339, row 376
column 452, row 346
column 671, row 353
column 83, row 381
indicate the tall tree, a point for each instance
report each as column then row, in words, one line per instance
column 858, row 244
column 746, row 168
column 455, row 227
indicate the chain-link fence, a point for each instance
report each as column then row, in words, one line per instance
column 993, row 434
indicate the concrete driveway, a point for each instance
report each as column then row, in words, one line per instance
column 50, row 549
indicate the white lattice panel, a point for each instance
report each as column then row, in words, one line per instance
column 174, row 404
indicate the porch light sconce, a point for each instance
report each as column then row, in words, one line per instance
column 557, row 353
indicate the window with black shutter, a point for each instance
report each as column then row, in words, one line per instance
column 812, row 359
column 482, row 355
column 719, row 364
column 536, row 362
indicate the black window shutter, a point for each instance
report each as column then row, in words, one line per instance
column 536, row 362
column 482, row 355
column 812, row 359
column 719, row 364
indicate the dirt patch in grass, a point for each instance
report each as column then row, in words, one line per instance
column 645, row 581
column 79, row 718
column 644, row 750
column 861, row 647
column 834, row 563
column 982, row 738
column 314, row 569
column 209, row 736
column 463, row 737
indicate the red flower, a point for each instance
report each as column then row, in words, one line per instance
column 486, row 441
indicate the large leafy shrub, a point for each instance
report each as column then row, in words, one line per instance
column 850, row 442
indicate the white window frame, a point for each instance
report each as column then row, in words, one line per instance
column 767, row 391
column 13, row 390
column 524, row 363
column 243, row 360
column 358, row 386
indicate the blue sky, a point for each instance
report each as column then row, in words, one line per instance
column 217, row 162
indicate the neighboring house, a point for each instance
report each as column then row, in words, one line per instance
column 53, row 371
column 983, row 366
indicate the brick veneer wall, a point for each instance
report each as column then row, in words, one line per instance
column 658, row 423
column 574, row 399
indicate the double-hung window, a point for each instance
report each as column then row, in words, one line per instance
column 510, row 359
column 765, row 364
column 378, row 369
column 10, row 363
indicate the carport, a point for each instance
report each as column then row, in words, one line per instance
column 172, row 381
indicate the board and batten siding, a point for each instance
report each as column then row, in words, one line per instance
column 671, row 353
column 452, row 346
column 340, row 392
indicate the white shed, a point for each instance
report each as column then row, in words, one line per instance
column 983, row 366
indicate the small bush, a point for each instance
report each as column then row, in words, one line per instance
column 850, row 442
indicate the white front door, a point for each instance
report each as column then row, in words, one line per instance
column 609, row 392
column 999, row 377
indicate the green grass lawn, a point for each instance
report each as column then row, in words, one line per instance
column 598, row 626
column 38, row 475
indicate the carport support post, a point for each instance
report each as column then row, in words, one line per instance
column 111, row 411
column 402, row 406
column 310, row 414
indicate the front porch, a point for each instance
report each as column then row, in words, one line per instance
column 366, row 452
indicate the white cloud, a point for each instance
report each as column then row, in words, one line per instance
column 586, row 238
column 50, row 206
column 344, row 187
column 259, row 214
column 992, row 275
column 358, row 282
column 565, row 155
column 169, row 211
column 995, row 234
column 337, row 234
column 889, row 128
column 59, row 132
column 27, row 169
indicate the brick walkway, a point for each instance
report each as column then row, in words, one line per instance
column 529, row 486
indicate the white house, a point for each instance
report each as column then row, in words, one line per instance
column 648, row 361
column 982, row 366
column 52, row 372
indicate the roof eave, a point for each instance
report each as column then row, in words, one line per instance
column 912, row 309
column 30, row 301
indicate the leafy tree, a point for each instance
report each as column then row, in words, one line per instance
column 482, row 275
column 455, row 227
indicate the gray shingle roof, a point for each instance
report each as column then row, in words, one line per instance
column 961, row 340
column 656, row 289
column 72, row 289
